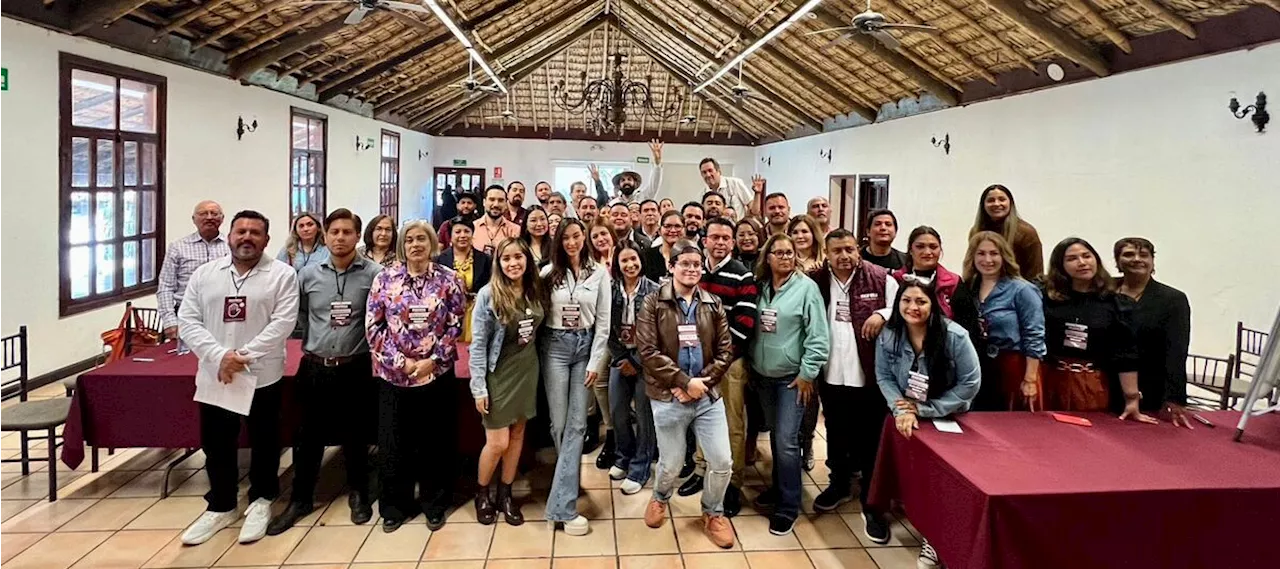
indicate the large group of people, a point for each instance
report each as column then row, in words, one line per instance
column 681, row 332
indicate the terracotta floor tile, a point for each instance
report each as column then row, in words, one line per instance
column 635, row 538
column 650, row 562
column 753, row 534
column 544, row 563
column 46, row 517
column 170, row 513
column 109, row 514
column 11, row 544
column 722, row 560
column 149, row 484
column 392, row 565
column 895, row 557
column 175, row 554
column 774, row 559
column 899, row 535
column 267, row 551
column 406, row 544
column 693, row 540
column 11, row 508
column 528, row 540
column 97, row 485
column 593, row 478
column 459, row 541
column 58, row 550
column 36, row 485
column 599, row 542
column 596, row 504
column 824, row 532
column 609, row 562
column 126, row 550
column 632, row 506
column 841, row 559
column 446, row 565
column 338, row 544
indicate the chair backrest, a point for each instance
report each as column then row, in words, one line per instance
column 15, row 357
column 1249, row 346
column 143, row 328
column 1208, row 371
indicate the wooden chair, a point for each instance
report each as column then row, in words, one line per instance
column 39, row 415
column 1249, row 346
column 1215, row 375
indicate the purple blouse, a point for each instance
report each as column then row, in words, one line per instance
column 414, row 317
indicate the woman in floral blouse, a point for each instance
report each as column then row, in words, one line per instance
column 413, row 320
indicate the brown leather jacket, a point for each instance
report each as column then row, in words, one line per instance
column 658, row 343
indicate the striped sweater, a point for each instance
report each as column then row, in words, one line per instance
column 736, row 287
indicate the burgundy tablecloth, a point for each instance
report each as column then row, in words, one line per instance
column 1020, row 490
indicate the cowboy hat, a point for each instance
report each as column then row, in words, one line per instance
column 617, row 180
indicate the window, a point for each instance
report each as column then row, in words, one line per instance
column 389, row 176
column 457, row 180
column 569, row 172
column 306, row 164
column 111, row 187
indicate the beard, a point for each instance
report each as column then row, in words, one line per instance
column 627, row 189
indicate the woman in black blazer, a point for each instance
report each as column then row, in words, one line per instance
column 472, row 266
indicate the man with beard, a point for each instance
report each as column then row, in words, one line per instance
column 735, row 191
column 466, row 209
column 515, row 202
column 713, row 203
column 588, row 209
column 182, row 259
column 628, row 186
column 236, row 314
column 542, row 190
column 694, row 216
column 820, row 211
column 777, row 211
column 556, row 204
column 494, row 226
column 882, row 230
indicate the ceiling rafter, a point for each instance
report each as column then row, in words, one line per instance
column 1109, row 30
column 986, row 33
column 102, row 12
column 248, row 60
column 305, row 18
column 186, row 18
column 1056, row 38
column 926, row 80
column 327, row 50
column 1171, row 19
column 905, row 14
column 245, row 19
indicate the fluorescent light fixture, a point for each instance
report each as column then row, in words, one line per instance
column 808, row 6
column 466, row 43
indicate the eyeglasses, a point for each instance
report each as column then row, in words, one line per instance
column 689, row 266
column 783, row 254
column 673, row 227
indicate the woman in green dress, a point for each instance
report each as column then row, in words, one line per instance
column 504, row 372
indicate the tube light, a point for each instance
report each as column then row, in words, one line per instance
column 805, row 9
column 466, row 43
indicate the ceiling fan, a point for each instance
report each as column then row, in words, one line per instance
column 874, row 24
column 507, row 114
column 740, row 93
column 470, row 85
column 363, row 7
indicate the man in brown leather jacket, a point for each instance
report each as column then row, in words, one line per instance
column 682, row 336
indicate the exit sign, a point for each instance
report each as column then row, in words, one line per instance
column 642, row 159
column 459, row 163
column 4, row 83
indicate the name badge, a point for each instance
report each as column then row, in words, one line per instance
column 234, row 309
column 982, row 325
column 688, row 334
column 339, row 313
column 525, row 329
column 628, row 335
column 571, row 316
column 843, row 314
column 869, row 296
column 1076, row 336
column 769, row 321
column 488, row 250
column 918, row 386
column 417, row 317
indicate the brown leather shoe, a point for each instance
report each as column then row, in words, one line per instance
column 718, row 530
column 655, row 514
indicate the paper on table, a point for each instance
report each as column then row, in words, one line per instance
column 236, row 396
column 947, row 426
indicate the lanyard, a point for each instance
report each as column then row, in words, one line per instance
column 340, row 284
column 689, row 312
column 240, row 284
column 570, row 277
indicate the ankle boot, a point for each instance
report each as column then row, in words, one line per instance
column 591, row 439
column 507, row 504
column 606, row 457
column 485, row 512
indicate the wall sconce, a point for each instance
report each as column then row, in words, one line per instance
column 422, row 154
column 365, row 145
column 766, row 160
column 825, row 154
column 243, row 127
column 1259, row 108
column 944, row 142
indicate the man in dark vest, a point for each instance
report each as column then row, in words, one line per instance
column 855, row 410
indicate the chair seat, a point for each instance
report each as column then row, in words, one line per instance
column 1239, row 387
column 38, row 414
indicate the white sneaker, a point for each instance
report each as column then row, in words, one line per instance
column 256, row 519
column 928, row 557
column 577, row 527
column 209, row 524
column 630, row 487
column 616, row 473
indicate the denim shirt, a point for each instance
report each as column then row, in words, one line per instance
column 690, row 358
column 487, row 335
column 893, row 367
column 1014, row 314
column 619, row 351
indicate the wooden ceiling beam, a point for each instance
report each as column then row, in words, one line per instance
column 328, row 50
column 102, row 12
column 186, row 18
column 904, row 14
column 829, row 89
column 1170, row 18
column 410, row 21
column 284, row 29
column 375, row 68
column 968, row 21
column 264, row 8
column 1108, row 29
column 935, row 86
column 249, row 62
column 1056, row 38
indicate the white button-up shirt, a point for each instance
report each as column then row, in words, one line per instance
column 845, row 366
column 737, row 194
column 271, row 302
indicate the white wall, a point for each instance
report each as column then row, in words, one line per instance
column 1152, row 153
column 204, row 161
column 532, row 160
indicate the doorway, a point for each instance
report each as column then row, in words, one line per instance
column 858, row 196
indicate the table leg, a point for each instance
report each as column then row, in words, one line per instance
column 164, row 491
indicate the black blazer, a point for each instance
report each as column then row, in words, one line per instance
column 481, row 265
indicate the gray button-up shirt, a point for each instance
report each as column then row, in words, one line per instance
column 322, row 285
column 182, row 259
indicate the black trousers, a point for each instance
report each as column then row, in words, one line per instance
column 855, row 419
column 220, row 440
column 417, row 440
column 337, row 404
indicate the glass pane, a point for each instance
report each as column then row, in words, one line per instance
column 130, row 263
column 130, row 165
column 148, row 212
column 105, row 262
column 390, row 146
column 148, row 260
column 78, row 267
column 93, row 99
column 79, row 233
column 106, row 169
column 130, row 214
column 79, row 162
column 300, row 132
column 148, row 163
column 316, row 135
column 137, row 106
column 105, row 220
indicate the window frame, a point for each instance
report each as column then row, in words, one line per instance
column 67, row 131
column 294, row 153
column 390, row 207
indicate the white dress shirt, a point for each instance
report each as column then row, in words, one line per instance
column 271, row 301
column 845, row 366
column 594, row 298
column 737, row 194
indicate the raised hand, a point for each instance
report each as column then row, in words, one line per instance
column 655, row 148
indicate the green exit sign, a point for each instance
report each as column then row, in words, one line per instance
column 4, row 73
column 459, row 163
column 642, row 159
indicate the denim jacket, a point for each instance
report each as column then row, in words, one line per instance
column 487, row 334
column 617, row 349
column 1013, row 313
column 893, row 367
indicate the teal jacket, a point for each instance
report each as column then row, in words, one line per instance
column 801, row 343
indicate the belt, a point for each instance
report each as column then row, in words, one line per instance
column 330, row 362
column 1074, row 366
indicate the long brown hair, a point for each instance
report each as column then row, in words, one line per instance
column 508, row 294
column 560, row 258
column 1008, row 269
column 1008, row 228
column 1058, row 283
column 817, row 254
column 602, row 222
column 294, row 242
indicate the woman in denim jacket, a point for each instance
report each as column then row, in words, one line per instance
column 636, row 443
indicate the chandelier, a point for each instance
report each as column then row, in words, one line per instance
column 606, row 101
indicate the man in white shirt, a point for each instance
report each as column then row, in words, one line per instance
column 236, row 315
column 182, row 258
column 628, row 186
column 738, row 195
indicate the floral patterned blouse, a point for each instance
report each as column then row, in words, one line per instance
column 414, row 317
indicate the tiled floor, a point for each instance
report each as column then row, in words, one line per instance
column 115, row 519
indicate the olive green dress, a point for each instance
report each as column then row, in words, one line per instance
column 513, row 384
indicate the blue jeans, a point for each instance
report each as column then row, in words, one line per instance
column 783, row 413
column 711, row 429
column 634, row 450
column 564, row 367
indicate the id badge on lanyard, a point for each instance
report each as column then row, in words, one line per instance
column 417, row 317
column 525, row 328
column 571, row 316
column 1076, row 336
column 339, row 313
column 234, row 308
column 843, row 312
column 688, row 335
column 627, row 333
column 769, row 321
column 918, row 386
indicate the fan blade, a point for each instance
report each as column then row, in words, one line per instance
column 837, row 40
column 911, row 28
column 829, row 30
column 356, row 15
column 885, row 38
column 404, row 6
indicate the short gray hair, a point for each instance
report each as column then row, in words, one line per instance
column 417, row 224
